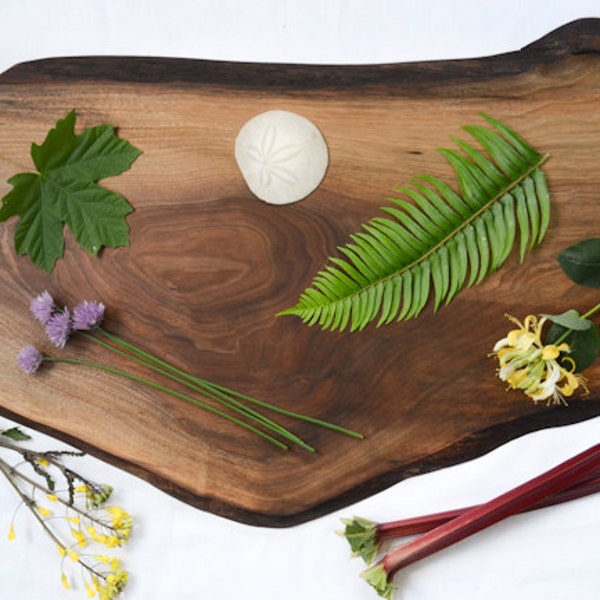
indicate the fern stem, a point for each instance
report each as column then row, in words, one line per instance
column 474, row 216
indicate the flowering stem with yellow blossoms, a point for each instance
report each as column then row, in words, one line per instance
column 88, row 528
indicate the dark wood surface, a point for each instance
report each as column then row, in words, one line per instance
column 209, row 266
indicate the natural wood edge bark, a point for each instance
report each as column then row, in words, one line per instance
column 575, row 38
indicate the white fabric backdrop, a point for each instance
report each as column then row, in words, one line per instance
column 182, row 553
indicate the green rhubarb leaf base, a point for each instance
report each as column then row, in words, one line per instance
column 361, row 535
column 377, row 577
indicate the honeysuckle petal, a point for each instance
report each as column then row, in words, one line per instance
column 546, row 387
column 550, row 352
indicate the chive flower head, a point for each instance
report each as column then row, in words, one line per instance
column 29, row 360
column 42, row 307
column 59, row 327
column 87, row 315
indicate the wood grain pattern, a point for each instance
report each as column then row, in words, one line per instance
column 209, row 266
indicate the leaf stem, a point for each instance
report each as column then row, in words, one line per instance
column 231, row 393
column 222, row 398
column 172, row 392
column 590, row 312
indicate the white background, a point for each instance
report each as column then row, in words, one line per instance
column 182, row 553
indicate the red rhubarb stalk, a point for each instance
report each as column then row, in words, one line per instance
column 425, row 523
column 479, row 517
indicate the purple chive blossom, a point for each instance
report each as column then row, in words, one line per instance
column 29, row 360
column 88, row 315
column 43, row 307
column 58, row 328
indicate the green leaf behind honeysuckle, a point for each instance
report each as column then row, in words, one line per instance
column 584, row 344
column 581, row 262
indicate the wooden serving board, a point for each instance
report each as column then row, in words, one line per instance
column 209, row 265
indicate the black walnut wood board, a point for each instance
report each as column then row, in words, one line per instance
column 209, row 265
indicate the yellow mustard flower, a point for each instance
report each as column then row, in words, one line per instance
column 43, row 511
column 114, row 585
column 73, row 555
column 79, row 537
column 529, row 365
column 89, row 590
column 65, row 581
column 11, row 532
column 102, row 558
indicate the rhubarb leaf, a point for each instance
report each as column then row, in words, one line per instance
column 64, row 190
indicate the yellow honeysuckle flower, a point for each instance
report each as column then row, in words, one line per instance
column 11, row 532
column 527, row 364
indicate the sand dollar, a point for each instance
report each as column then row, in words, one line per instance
column 283, row 156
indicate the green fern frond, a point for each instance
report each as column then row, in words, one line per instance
column 435, row 241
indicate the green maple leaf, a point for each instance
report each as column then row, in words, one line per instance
column 64, row 190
